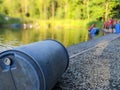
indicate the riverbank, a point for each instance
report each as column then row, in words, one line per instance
column 98, row 68
column 94, row 65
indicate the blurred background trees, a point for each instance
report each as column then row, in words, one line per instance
column 61, row 9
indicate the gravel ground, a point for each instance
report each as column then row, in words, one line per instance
column 96, row 69
column 85, row 45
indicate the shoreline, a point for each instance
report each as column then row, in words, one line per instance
column 96, row 69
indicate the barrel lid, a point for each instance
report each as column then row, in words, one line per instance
column 6, row 79
column 19, row 72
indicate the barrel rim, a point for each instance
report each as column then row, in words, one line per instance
column 64, row 49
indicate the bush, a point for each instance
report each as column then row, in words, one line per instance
column 8, row 20
column 99, row 24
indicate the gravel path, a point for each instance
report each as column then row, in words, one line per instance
column 85, row 45
column 96, row 69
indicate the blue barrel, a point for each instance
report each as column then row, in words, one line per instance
column 35, row 66
column 117, row 28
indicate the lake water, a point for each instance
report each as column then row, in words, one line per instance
column 17, row 37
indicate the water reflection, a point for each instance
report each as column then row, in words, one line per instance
column 18, row 37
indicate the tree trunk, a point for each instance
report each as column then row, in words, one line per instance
column 88, row 12
column 45, row 12
column 66, row 9
column 85, row 9
column 106, row 10
column 26, row 5
column 53, row 10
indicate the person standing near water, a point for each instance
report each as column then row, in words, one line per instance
column 93, row 31
column 117, row 28
column 111, row 25
column 106, row 26
column 89, row 30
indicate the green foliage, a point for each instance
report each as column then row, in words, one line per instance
column 60, row 9
column 2, row 19
column 98, row 24
column 8, row 20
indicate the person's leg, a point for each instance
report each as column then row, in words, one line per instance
column 110, row 29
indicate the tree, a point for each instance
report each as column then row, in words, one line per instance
column 62, row 9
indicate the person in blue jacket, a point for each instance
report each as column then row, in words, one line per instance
column 94, row 31
column 117, row 27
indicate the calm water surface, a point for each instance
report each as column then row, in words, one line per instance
column 17, row 37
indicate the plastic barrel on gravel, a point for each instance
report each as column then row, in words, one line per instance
column 35, row 66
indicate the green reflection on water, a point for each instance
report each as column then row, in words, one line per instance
column 67, row 37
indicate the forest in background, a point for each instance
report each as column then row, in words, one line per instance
column 75, row 10
column 60, row 9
